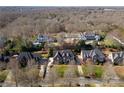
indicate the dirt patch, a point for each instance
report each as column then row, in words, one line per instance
column 109, row 50
column 119, row 71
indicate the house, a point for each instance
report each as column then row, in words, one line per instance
column 64, row 57
column 25, row 57
column 41, row 39
column 95, row 55
column 117, row 58
column 90, row 36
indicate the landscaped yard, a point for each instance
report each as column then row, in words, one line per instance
column 3, row 75
column 60, row 69
column 93, row 70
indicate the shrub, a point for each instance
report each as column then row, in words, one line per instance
column 111, row 43
column 103, row 35
column 3, row 75
column 79, row 45
column 50, row 52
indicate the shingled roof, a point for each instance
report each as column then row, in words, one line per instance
column 90, row 36
column 117, row 57
column 95, row 55
column 24, row 57
column 64, row 57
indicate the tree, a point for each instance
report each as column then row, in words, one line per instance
column 95, row 44
column 70, row 75
column 109, row 73
column 88, row 69
column 50, row 52
column 109, row 42
column 79, row 45
column 52, row 77
column 29, row 76
column 14, row 67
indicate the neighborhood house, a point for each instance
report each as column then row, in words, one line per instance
column 64, row 57
column 41, row 39
column 90, row 36
column 96, row 55
column 117, row 58
column 25, row 57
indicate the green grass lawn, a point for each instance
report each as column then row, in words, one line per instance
column 95, row 70
column 60, row 69
column 98, row 70
column 3, row 75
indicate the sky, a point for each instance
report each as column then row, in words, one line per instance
column 61, row 2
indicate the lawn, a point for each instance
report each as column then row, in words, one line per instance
column 3, row 75
column 96, row 71
column 60, row 69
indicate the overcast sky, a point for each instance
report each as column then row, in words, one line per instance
column 61, row 2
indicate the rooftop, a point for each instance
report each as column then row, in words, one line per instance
column 64, row 56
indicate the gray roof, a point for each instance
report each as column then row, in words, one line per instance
column 42, row 38
column 63, row 56
column 95, row 55
column 90, row 36
column 118, row 57
column 27, row 56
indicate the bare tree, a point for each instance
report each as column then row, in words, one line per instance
column 32, row 73
column 29, row 76
column 90, row 67
column 109, row 73
column 13, row 66
column 52, row 77
column 70, row 75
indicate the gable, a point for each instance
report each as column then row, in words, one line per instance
column 90, row 36
column 96, row 53
column 118, row 56
column 27, row 56
column 64, row 56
